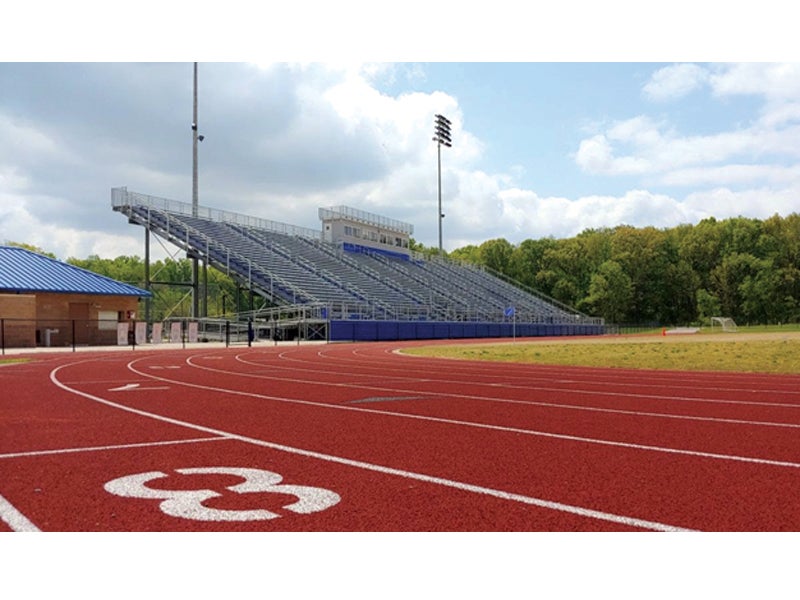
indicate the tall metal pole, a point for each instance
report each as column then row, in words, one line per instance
column 439, row 157
column 442, row 136
column 147, row 286
column 195, row 273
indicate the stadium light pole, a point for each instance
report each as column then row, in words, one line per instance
column 195, row 139
column 194, row 146
column 441, row 136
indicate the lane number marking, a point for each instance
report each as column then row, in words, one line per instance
column 188, row 504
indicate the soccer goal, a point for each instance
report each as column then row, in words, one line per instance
column 726, row 323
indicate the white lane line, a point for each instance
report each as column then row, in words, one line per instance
column 648, row 378
column 112, row 447
column 533, row 432
column 14, row 518
column 576, row 510
column 557, row 405
column 534, row 388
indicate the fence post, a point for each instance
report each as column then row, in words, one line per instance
column 227, row 333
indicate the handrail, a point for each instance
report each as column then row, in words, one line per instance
column 122, row 197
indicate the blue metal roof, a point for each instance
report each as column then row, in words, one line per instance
column 25, row 271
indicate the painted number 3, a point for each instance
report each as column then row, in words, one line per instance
column 188, row 504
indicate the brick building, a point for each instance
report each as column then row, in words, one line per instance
column 46, row 302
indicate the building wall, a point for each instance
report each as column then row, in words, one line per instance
column 366, row 235
column 18, row 314
column 51, row 319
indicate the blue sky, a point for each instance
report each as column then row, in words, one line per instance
column 540, row 148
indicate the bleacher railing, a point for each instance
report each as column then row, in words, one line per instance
column 362, row 216
column 121, row 197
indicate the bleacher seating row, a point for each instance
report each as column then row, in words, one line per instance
column 295, row 269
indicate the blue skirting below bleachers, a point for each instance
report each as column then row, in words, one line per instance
column 369, row 331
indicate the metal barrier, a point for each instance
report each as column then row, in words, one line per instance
column 76, row 333
column 316, row 322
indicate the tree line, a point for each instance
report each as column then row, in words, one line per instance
column 744, row 268
column 171, row 286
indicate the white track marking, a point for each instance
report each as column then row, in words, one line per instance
column 15, row 519
column 653, row 378
column 113, row 447
column 188, row 504
column 130, row 387
column 532, row 432
column 537, row 388
column 558, row 405
column 557, row 506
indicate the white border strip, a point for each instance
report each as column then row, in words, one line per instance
column 15, row 519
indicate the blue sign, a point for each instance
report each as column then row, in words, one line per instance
column 509, row 312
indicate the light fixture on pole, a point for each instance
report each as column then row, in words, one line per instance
column 441, row 136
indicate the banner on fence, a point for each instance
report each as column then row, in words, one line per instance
column 157, row 329
column 141, row 332
column 193, row 333
column 175, row 333
column 122, row 334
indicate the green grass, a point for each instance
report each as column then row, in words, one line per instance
column 11, row 361
column 779, row 355
column 790, row 327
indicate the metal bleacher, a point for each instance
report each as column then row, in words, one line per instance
column 291, row 266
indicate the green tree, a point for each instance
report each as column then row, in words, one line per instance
column 708, row 306
column 32, row 248
column 610, row 293
column 527, row 259
column 496, row 255
column 732, row 281
column 470, row 254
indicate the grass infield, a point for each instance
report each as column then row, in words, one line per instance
column 762, row 352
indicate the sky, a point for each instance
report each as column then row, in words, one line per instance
column 546, row 144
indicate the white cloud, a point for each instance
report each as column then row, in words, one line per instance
column 286, row 139
column 758, row 203
column 639, row 146
column 675, row 81
column 774, row 81
column 595, row 155
column 733, row 175
column 534, row 216
column 30, row 142
column 777, row 114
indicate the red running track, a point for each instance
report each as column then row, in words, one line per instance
column 358, row 437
